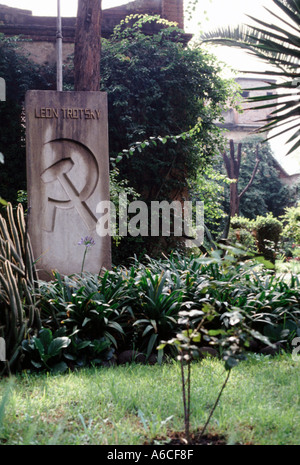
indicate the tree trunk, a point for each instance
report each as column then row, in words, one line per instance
column 87, row 46
column 232, row 166
column 234, row 199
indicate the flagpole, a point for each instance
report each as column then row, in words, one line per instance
column 59, row 37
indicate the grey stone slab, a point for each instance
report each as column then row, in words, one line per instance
column 67, row 176
column 2, row 90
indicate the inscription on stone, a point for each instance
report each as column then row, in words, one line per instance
column 67, row 174
column 65, row 113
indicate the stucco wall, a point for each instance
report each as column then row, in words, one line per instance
column 249, row 119
column 39, row 33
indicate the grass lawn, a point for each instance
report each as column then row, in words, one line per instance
column 127, row 405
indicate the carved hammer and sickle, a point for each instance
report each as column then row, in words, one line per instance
column 59, row 170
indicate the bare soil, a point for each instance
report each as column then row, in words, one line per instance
column 178, row 438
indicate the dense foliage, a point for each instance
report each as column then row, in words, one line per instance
column 157, row 86
column 269, row 235
column 291, row 231
column 84, row 319
column 267, row 194
column 137, row 308
column 163, row 100
column 158, row 91
column 20, row 74
column 18, row 279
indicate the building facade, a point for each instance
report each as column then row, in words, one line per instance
column 241, row 125
column 245, row 124
column 39, row 32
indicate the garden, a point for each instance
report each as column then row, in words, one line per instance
column 173, row 345
column 115, row 347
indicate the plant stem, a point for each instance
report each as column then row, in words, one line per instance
column 189, row 400
column 216, row 403
column 83, row 260
column 186, row 418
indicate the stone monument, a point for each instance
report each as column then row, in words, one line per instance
column 67, row 176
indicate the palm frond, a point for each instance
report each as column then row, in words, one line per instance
column 277, row 45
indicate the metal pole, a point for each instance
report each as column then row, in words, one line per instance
column 59, row 37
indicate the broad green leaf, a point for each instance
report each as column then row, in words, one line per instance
column 85, row 321
column 45, row 337
column 36, row 364
column 60, row 367
column 216, row 332
column 161, row 346
column 57, row 345
column 147, row 329
column 261, row 337
column 197, row 337
column 151, row 344
column 267, row 264
column 39, row 346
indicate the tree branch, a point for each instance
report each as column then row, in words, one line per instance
column 253, row 174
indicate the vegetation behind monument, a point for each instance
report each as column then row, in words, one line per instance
column 20, row 74
column 159, row 88
column 158, row 91
column 156, row 87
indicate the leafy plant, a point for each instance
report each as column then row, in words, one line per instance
column 230, row 341
column 92, row 305
column 157, row 309
column 241, row 231
column 140, row 306
column 290, row 235
column 19, row 313
column 267, row 232
column 45, row 350
column 92, row 316
column 83, row 352
column 230, row 331
column 188, row 350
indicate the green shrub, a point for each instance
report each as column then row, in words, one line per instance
column 88, row 305
column 81, row 353
column 159, row 89
column 240, row 222
column 20, row 74
column 267, row 231
column 290, row 235
column 156, row 309
column 45, row 350
column 56, row 352
column 241, row 231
